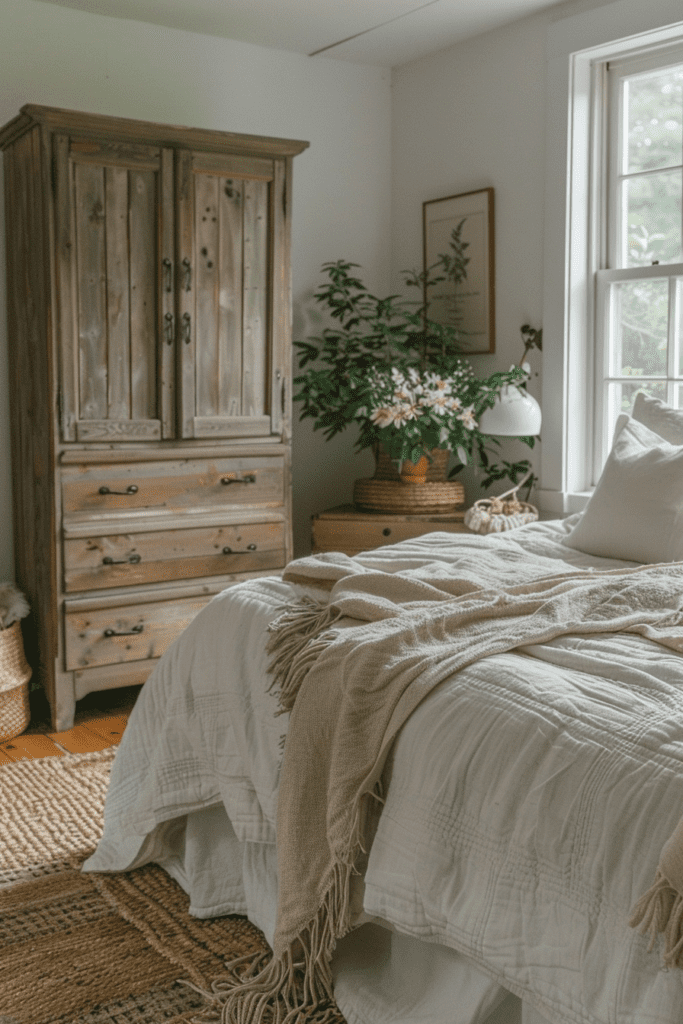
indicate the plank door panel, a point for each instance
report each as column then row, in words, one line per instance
column 114, row 235
column 224, row 214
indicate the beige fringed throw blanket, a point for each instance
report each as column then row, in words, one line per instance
column 354, row 667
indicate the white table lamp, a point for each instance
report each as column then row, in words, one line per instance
column 515, row 413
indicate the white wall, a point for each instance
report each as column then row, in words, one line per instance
column 467, row 118
column 65, row 58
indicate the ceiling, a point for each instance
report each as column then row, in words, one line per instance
column 381, row 32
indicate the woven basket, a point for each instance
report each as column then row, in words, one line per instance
column 15, row 673
column 504, row 512
column 408, row 499
column 495, row 515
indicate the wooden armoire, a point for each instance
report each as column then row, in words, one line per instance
column 149, row 335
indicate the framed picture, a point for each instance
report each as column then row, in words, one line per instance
column 468, row 304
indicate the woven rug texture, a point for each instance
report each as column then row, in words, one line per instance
column 51, row 811
column 95, row 949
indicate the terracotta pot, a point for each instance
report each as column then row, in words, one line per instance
column 415, row 472
column 385, row 469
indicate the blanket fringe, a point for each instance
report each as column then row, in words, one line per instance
column 660, row 909
column 295, row 988
column 299, row 636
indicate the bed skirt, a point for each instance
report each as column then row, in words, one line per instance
column 380, row 975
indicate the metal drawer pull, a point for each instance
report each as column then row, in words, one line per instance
column 130, row 489
column 133, row 559
column 186, row 328
column 187, row 270
column 131, row 632
column 168, row 273
column 229, row 551
column 168, row 328
column 250, row 478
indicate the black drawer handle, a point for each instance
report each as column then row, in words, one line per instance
column 131, row 632
column 131, row 489
column 169, row 328
column 132, row 559
column 187, row 274
column 186, row 328
column 229, row 551
column 250, row 478
column 168, row 274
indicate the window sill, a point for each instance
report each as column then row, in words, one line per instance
column 562, row 503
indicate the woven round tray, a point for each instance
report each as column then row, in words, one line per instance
column 408, row 499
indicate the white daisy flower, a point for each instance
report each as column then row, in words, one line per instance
column 404, row 412
column 467, row 418
column 436, row 383
column 383, row 416
column 436, row 401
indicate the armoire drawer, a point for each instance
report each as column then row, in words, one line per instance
column 132, row 632
column 101, row 560
column 173, row 485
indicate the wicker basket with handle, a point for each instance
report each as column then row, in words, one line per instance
column 15, row 673
column 505, row 512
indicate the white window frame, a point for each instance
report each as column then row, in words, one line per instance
column 606, row 84
column 579, row 46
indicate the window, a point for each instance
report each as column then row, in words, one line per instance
column 603, row 71
column 639, row 293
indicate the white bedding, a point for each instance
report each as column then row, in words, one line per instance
column 485, row 808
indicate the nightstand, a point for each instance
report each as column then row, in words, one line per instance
column 348, row 530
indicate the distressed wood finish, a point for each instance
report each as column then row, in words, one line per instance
column 347, row 530
column 31, row 390
column 255, row 325
column 124, row 130
column 130, row 559
column 150, row 346
column 173, row 486
column 226, row 235
column 114, row 235
column 132, row 632
column 167, row 284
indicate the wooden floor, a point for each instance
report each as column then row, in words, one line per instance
column 100, row 721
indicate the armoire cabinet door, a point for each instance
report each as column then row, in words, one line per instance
column 227, row 217
column 115, row 265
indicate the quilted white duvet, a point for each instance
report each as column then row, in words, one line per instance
column 516, row 829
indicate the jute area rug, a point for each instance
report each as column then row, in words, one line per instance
column 94, row 949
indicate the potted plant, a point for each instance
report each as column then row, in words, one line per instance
column 386, row 367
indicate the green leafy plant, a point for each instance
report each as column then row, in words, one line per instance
column 386, row 367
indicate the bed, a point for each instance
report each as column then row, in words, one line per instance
column 521, row 810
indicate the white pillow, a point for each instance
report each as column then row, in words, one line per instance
column 660, row 417
column 636, row 510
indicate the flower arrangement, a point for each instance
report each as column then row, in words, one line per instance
column 396, row 374
column 412, row 413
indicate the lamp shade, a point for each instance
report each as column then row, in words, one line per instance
column 515, row 414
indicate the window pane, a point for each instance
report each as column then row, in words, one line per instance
column 652, row 209
column 678, row 322
column 620, row 399
column 638, row 328
column 654, row 112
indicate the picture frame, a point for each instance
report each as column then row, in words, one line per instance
column 469, row 306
